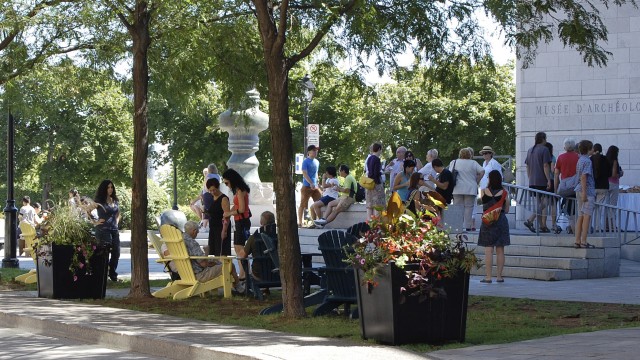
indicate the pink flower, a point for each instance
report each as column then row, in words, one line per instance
column 362, row 261
column 75, row 278
column 80, row 265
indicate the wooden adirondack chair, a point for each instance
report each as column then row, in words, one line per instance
column 29, row 236
column 340, row 280
column 265, row 254
column 156, row 242
column 358, row 229
column 188, row 285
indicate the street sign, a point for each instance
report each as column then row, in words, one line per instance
column 313, row 135
column 313, row 130
column 299, row 158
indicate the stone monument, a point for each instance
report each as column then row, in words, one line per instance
column 243, row 127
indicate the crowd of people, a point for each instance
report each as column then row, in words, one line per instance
column 583, row 172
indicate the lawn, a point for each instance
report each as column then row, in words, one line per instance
column 490, row 320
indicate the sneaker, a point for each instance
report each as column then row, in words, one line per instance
column 319, row 227
column 239, row 287
column 320, row 221
column 529, row 225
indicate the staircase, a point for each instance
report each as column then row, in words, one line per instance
column 553, row 257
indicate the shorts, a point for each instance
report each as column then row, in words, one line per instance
column 585, row 207
column 326, row 199
column 345, row 203
column 242, row 232
column 306, row 193
column 209, row 273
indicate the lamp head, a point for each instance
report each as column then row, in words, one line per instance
column 307, row 87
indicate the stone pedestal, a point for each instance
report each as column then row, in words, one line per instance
column 243, row 127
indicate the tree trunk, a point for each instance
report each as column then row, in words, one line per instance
column 277, row 66
column 282, row 152
column 139, row 31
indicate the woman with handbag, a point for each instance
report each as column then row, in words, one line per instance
column 494, row 231
column 373, row 170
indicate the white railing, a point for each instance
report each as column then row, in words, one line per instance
column 605, row 219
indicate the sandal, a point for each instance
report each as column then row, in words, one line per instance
column 545, row 230
column 588, row 246
column 577, row 245
column 486, row 281
column 569, row 230
column 529, row 225
column 500, row 280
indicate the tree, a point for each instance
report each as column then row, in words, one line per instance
column 72, row 129
column 31, row 32
column 444, row 33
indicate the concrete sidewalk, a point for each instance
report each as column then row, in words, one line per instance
column 174, row 338
column 177, row 338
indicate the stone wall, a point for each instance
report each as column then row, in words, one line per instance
column 560, row 95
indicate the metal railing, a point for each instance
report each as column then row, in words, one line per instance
column 606, row 219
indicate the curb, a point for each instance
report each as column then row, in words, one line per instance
column 122, row 340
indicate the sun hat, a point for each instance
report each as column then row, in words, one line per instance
column 486, row 149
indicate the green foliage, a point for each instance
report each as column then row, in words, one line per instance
column 158, row 201
column 72, row 127
column 191, row 216
column 421, row 110
column 64, row 226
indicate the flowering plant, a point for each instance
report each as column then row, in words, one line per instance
column 407, row 238
column 65, row 226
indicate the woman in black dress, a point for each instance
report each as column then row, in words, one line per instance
column 215, row 205
column 495, row 235
column 107, row 224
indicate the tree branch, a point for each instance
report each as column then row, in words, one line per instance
column 320, row 34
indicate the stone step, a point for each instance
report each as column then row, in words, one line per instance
column 531, row 273
column 542, row 262
column 546, row 251
column 355, row 214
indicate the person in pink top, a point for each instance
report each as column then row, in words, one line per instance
column 565, row 178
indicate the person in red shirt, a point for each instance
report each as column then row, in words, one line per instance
column 565, row 179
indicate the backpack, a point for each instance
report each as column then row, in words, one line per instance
column 360, row 194
column 357, row 192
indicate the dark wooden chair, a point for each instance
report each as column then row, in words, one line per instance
column 340, row 280
column 358, row 229
column 265, row 256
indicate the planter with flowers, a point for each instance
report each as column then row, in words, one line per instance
column 70, row 265
column 413, row 279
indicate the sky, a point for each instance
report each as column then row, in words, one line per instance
column 501, row 53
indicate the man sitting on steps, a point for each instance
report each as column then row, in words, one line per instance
column 347, row 197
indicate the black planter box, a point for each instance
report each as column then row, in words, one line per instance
column 56, row 280
column 433, row 321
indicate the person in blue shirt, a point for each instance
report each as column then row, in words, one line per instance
column 310, row 188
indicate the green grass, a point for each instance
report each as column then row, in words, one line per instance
column 490, row 320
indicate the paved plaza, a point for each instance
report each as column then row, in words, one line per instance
column 52, row 329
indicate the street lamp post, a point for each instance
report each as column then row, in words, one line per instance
column 175, row 186
column 307, row 89
column 10, row 259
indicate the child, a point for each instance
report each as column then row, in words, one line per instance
column 585, row 194
column 330, row 185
